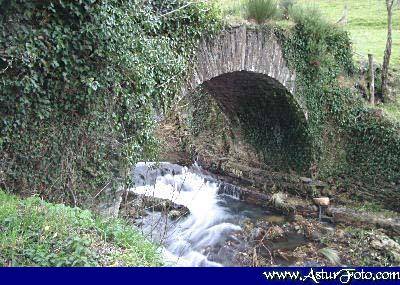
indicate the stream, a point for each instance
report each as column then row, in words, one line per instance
column 213, row 232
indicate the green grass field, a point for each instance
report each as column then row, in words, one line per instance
column 367, row 22
column 367, row 25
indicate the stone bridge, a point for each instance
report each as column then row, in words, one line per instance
column 243, row 58
column 245, row 72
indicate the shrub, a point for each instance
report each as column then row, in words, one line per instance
column 231, row 8
column 327, row 45
column 261, row 10
column 369, row 145
column 285, row 6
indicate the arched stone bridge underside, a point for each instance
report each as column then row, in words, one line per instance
column 245, row 72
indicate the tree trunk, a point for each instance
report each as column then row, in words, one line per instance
column 371, row 79
column 388, row 51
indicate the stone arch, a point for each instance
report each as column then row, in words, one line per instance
column 245, row 72
column 243, row 49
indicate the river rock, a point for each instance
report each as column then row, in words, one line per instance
column 326, row 229
column 321, row 201
column 156, row 204
column 174, row 214
column 257, row 234
column 366, row 219
column 305, row 180
column 315, row 235
column 382, row 242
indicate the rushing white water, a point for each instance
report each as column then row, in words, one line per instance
column 208, row 224
column 211, row 234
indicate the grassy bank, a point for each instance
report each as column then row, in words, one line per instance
column 366, row 22
column 37, row 233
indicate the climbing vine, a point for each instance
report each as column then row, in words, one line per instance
column 343, row 140
column 349, row 138
column 84, row 82
column 81, row 85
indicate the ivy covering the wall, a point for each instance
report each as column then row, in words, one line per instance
column 81, row 85
column 350, row 139
column 353, row 145
column 83, row 82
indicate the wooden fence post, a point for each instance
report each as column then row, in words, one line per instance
column 371, row 79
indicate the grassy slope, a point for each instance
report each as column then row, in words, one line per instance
column 367, row 25
column 367, row 22
column 37, row 233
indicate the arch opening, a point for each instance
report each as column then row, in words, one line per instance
column 244, row 71
column 264, row 114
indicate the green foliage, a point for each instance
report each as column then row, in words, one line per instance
column 367, row 24
column 261, row 10
column 204, row 113
column 231, row 8
column 323, row 46
column 286, row 6
column 282, row 140
column 321, row 55
column 82, row 83
column 32, row 235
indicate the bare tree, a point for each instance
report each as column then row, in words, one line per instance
column 388, row 50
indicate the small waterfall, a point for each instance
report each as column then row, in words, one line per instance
column 231, row 190
column 199, row 238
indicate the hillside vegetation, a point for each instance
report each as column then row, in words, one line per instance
column 82, row 82
column 367, row 26
column 36, row 233
column 366, row 22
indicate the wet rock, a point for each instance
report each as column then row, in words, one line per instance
column 366, row 219
column 315, row 235
column 226, row 253
column 382, row 242
column 155, row 204
column 305, row 179
column 174, row 214
column 234, row 241
column 257, row 234
column 327, row 229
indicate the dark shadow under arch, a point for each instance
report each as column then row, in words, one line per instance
column 268, row 115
